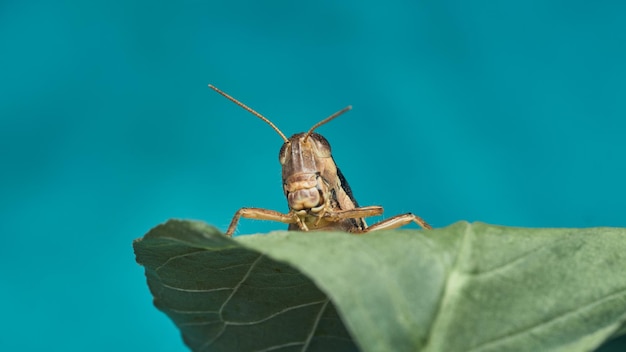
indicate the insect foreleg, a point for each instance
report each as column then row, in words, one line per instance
column 397, row 221
column 362, row 212
column 261, row 214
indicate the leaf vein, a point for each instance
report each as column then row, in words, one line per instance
column 445, row 295
column 553, row 320
column 221, row 310
column 275, row 314
column 195, row 290
column 521, row 258
column 277, row 347
column 178, row 311
column 315, row 324
column 165, row 263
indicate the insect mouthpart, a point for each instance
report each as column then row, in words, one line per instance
column 306, row 200
column 304, row 194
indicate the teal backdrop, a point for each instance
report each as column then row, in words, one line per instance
column 509, row 113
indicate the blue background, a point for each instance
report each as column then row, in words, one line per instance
column 508, row 113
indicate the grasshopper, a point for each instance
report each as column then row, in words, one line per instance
column 318, row 194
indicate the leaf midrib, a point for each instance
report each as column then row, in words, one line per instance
column 451, row 281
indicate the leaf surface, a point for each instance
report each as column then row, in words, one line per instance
column 466, row 287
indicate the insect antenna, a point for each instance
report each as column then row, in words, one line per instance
column 250, row 111
column 347, row 108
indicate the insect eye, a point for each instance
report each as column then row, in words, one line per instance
column 323, row 149
column 322, row 146
column 282, row 154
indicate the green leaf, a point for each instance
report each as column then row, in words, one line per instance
column 466, row 287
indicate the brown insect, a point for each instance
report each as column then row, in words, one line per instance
column 318, row 194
